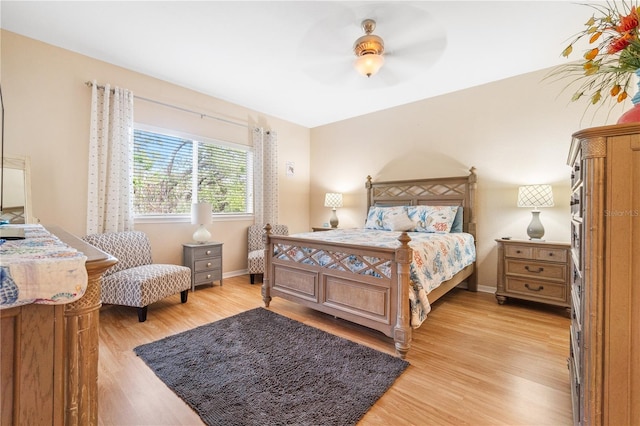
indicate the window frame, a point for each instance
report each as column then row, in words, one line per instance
column 186, row 217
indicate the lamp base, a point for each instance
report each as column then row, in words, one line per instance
column 334, row 219
column 535, row 231
column 202, row 235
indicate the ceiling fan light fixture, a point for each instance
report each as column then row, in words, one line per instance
column 369, row 64
column 368, row 49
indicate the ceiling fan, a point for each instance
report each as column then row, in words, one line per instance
column 407, row 41
column 368, row 49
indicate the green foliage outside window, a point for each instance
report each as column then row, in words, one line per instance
column 165, row 175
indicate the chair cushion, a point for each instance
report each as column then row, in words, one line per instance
column 255, row 262
column 143, row 285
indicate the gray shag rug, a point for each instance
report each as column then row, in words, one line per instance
column 261, row 368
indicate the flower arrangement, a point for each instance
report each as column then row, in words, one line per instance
column 613, row 56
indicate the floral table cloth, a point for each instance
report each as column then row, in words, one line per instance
column 40, row 269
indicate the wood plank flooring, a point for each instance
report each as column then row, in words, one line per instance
column 473, row 361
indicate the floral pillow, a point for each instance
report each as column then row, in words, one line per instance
column 432, row 218
column 388, row 218
column 457, row 221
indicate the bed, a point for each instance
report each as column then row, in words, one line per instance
column 370, row 283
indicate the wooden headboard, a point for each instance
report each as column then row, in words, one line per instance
column 446, row 191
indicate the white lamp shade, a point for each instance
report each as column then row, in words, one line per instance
column 535, row 196
column 333, row 199
column 201, row 214
column 369, row 64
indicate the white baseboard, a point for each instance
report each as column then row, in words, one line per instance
column 486, row 289
column 235, row 273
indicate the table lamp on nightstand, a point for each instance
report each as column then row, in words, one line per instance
column 333, row 200
column 201, row 215
column 535, row 196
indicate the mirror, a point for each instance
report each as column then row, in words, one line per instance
column 16, row 189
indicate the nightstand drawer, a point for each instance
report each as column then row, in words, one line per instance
column 204, row 252
column 537, row 269
column 522, row 252
column 208, row 276
column 537, row 290
column 203, row 265
column 550, row 254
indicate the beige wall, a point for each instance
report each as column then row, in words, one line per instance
column 47, row 118
column 516, row 131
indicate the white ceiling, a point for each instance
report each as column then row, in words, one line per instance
column 293, row 59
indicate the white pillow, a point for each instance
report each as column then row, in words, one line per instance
column 399, row 222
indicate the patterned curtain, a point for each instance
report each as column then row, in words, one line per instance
column 265, row 176
column 110, row 194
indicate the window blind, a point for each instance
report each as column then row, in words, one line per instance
column 170, row 173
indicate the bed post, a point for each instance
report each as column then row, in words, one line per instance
column 402, row 330
column 369, row 196
column 472, row 281
column 268, row 251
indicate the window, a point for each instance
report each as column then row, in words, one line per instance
column 170, row 173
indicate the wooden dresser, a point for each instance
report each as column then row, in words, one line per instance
column 49, row 353
column 604, row 360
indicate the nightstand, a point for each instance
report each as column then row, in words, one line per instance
column 534, row 270
column 321, row 228
column 205, row 261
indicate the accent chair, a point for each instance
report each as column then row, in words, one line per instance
column 255, row 257
column 135, row 280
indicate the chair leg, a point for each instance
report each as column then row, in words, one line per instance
column 142, row 314
column 184, row 294
column 252, row 278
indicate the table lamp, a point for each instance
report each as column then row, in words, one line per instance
column 201, row 215
column 333, row 200
column 535, row 196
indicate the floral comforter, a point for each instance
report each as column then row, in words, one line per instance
column 436, row 258
column 40, row 269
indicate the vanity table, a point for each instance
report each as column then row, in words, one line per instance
column 49, row 351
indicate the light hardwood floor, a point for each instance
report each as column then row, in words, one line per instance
column 473, row 361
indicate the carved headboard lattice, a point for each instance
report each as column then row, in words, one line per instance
column 446, row 191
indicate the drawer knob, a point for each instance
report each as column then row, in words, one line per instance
column 208, row 276
column 533, row 289
column 535, row 272
column 518, row 251
column 208, row 251
column 208, row 263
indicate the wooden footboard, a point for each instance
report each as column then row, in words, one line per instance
column 375, row 296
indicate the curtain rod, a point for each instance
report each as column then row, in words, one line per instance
column 202, row 115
